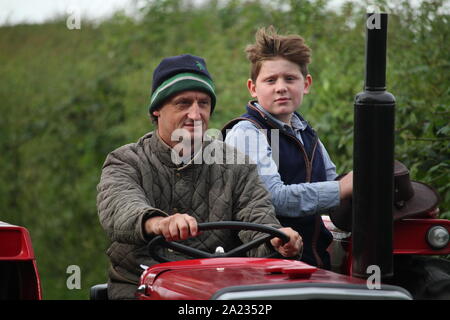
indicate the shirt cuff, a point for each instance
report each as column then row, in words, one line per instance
column 328, row 195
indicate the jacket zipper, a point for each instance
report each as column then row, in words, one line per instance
column 317, row 222
column 308, row 179
column 318, row 217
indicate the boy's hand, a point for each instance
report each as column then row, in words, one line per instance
column 346, row 186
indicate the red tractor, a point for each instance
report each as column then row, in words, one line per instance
column 382, row 255
column 19, row 278
column 219, row 276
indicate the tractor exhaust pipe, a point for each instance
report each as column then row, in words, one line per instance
column 373, row 160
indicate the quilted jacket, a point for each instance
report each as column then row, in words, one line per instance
column 140, row 180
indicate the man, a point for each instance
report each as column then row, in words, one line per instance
column 155, row 187
column 302, row 183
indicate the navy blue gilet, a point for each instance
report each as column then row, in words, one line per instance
column 298, row 163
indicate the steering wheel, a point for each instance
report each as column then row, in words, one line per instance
column 160, row 241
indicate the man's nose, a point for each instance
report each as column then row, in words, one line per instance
column 194, row 111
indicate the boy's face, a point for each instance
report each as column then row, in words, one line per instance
column 280, row 87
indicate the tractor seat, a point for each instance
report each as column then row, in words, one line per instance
column 99, row 292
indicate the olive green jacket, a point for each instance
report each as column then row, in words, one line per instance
column 140, row 180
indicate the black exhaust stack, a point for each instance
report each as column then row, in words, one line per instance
column 373, row 160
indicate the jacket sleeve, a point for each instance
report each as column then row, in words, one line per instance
column 122, row 204
column 293, row 200
column 252, row 204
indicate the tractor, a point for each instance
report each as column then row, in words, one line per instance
column 376, row 253
column 19, row 277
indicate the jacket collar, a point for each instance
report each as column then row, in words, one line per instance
column 297, row 122
column 168, row 156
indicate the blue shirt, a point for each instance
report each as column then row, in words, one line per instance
column 293, row 200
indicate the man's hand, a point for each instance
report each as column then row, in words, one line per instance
column 175, row 227
column 346, row 186
column 291, row 248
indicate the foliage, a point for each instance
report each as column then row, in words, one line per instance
column 68, row 97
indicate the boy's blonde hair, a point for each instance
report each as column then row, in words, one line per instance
column 269, row 45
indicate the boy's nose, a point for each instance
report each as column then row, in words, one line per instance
column 280, row 87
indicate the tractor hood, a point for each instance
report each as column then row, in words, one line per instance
column 254, row 278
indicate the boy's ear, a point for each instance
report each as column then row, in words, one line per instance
column 156, row 113
column 251, row 88
column 307, row 83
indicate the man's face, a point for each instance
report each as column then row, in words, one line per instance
column 280, row 87
column 188, row 111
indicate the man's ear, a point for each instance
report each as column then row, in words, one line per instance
column 251, row 86
column 156, row 113
column 307, row 84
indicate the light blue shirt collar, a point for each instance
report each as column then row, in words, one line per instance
column 296, row 123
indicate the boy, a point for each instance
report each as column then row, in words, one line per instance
column 302, row 182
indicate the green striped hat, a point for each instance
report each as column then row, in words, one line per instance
column 182, row 82
column 180, row 73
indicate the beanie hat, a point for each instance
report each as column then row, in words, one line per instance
column 177, row 74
